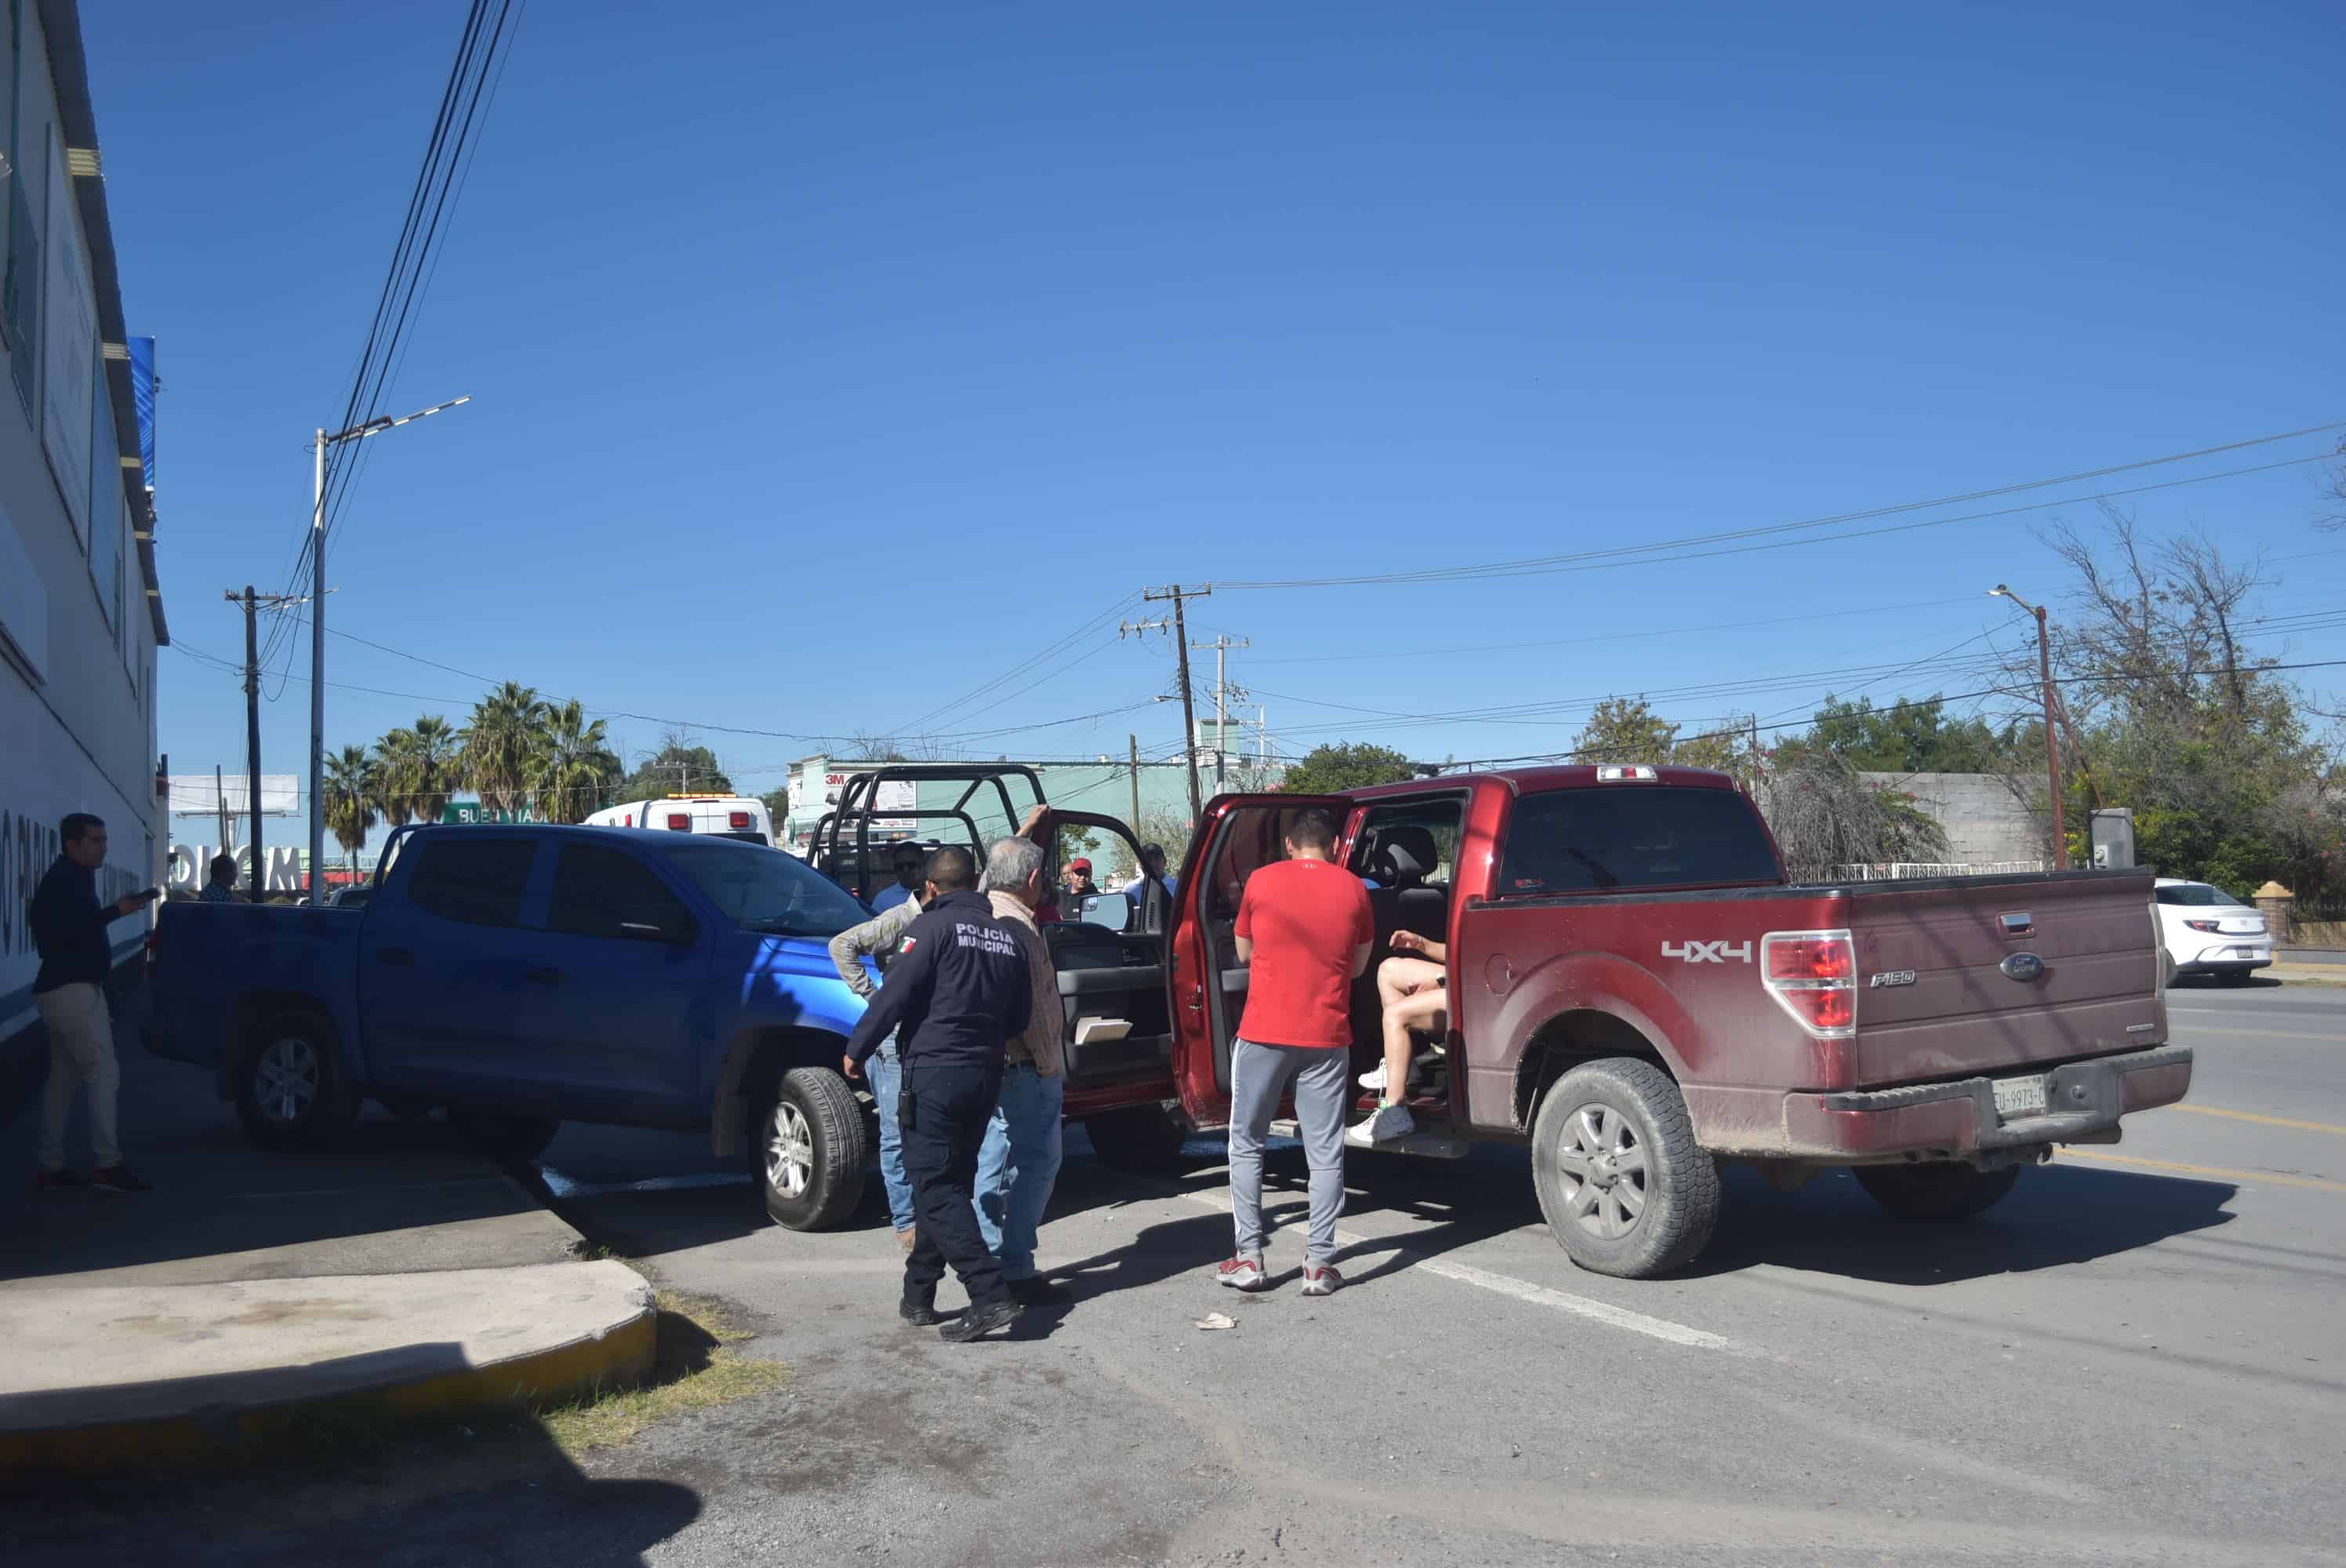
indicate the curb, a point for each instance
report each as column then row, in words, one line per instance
column 226, row 1433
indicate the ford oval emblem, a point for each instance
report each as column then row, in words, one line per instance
column 2022, row 966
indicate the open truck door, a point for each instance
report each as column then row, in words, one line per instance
column 1238, row 835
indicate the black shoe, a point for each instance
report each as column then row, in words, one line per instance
column 920, row 1314
column 1038, row 1291
column 980, row 1320
column 119, row 1178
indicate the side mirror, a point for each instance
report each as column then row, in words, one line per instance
column 1110, row 911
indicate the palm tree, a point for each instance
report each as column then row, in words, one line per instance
column 394, row 768
column 501, row 747
column 577, row 767
column 353, row 784
column 433, row 767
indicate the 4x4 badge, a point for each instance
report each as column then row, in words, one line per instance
column 1708, row 952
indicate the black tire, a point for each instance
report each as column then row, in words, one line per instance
column 290, row 1083
column 406, row 1107
column 809, row 1153
column 504, row 1134
column 1145, row 1140
column 1939, row 1193
column 1648, row 1200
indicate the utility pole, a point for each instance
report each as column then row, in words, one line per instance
column 318, row 628
column 2052, row 740
column 1180, row 629
column 1134, row 742
column 252, row 603
column 1221, row 646
column 220, row 809
column 1262, row 731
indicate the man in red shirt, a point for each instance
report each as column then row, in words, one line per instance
column 1304, row 930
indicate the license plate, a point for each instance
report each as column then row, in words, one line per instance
column 2019, row 1097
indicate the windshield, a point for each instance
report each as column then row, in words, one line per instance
column 2200, row 895
column 765, row 891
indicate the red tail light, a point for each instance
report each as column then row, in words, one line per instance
column 1828, row 957
column 1812, row 976
column 2205, row 925
column 739, row 820
column 679, row 822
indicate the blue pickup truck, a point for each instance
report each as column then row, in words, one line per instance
column 522, row 976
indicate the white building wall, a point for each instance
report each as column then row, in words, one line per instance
column 77, row 638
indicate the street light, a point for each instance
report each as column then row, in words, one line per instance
column 318, row 628
column 2052, row 752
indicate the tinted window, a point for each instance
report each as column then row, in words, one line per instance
column 765, row 890
column 2199, row 895
column 1618, row 838
column 478, row 880
column 599, row 891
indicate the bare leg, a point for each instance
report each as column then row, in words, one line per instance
column 1426, row 1009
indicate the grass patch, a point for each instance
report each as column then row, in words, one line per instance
column 694, row 1367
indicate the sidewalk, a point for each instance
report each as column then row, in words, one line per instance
column 395, row 1272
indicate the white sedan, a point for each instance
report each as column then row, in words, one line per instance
column 2206, row 930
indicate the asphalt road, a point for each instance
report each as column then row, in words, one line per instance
column 2139, row 1357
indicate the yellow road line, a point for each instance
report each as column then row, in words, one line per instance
column 2265, row 1121
column 2251, row 1178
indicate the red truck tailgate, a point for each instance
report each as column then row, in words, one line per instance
column 1983, row 974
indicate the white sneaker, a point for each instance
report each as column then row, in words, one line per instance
column 1389, row 1123
column 1375, row 1077
column 1322, row 1279
column 1244, row 1272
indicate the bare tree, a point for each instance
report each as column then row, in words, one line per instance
column 1825, row 815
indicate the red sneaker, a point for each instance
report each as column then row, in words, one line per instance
column 1244, row 1272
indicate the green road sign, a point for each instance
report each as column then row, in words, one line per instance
column 473, row 814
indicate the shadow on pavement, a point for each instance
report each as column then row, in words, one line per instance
column 217, row 1197
column 2056, row 1214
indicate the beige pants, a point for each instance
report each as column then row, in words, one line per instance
column 81, row 1050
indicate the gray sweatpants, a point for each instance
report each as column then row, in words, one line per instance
column 1259, row 1075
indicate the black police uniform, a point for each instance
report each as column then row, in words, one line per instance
column 957, row 992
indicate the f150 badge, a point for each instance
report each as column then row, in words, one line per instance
column 1890, row 977
column 1708, row 952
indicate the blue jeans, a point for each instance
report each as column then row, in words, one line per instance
column 1017, row 1165
column 885, row 1071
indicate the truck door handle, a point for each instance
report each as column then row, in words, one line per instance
column 398, row 957
column 541, row 975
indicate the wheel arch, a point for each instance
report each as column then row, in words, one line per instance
column 755, row 1060
column 1569, row 1038
column 255, row 1008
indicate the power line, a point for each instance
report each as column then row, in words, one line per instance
column 1627, row 555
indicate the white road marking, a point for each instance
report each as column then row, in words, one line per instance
column 1539, row 1295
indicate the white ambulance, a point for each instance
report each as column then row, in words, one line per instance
column 716, row 816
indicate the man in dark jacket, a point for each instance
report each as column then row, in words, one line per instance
column 69, row 930
column 955, row 995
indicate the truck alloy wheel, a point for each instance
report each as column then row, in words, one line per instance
column 1623, row 1184
column 808, row 1154
column 291, row 1086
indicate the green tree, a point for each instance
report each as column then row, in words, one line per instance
column 393, row 761
column 574, row 769
column 432, row 767
column 1903, row 735
column 502, row 744
column 676, row 769
column 777, row 808
column 1627, row 730
column 1340, row 766
column 352, row 787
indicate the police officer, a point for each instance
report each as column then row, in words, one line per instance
column 955, row 995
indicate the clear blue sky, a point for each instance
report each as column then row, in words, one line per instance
column 826, row 366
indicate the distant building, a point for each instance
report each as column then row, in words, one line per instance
column 80, row 613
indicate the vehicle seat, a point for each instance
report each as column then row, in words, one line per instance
column 1399, row 860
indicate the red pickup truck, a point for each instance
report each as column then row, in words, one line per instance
column 1639, row 994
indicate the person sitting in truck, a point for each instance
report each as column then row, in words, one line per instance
column 1416, row 996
